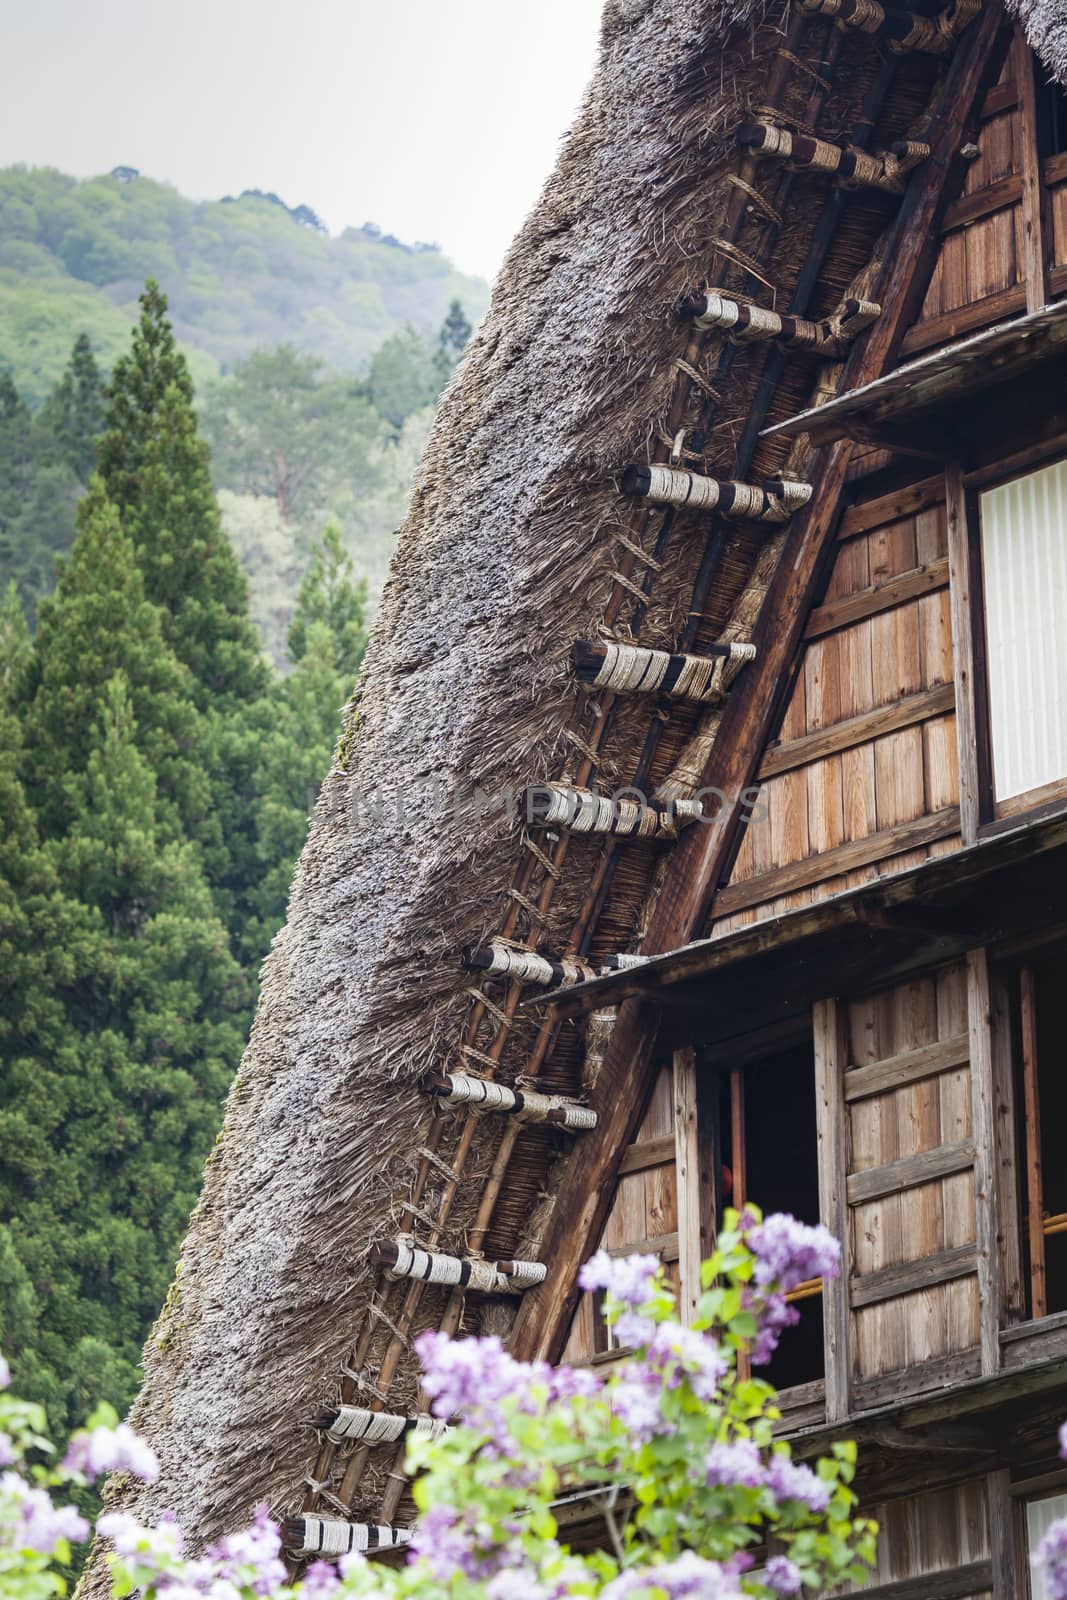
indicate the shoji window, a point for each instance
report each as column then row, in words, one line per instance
column 1024, row 559
column 1040, row 1515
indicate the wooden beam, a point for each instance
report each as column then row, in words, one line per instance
column 1035, row 259
column 879, row 597
column 983, row 1126
column 967, row 319
column 627, row 1078
column 1035, row 1192
column 853, row 731
column 1008, row 1150
column 907, row 1173
column 1006, row 1547
column 951, row 1583
column 961, row 596
column 911, row 1066
column 842, row 858
column 694, row 1217
column 908, row 1276
column 984, row 203
column 647, row 1153
column 891, row 507
column 832, row 1135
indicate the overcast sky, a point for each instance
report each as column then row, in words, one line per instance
column 437, row 119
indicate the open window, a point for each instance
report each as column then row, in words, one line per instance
column 768, row 1150
column 1023, row 530
column 1040, row 1023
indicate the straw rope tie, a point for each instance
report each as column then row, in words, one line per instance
column 544, row 861
column 621, row 579
column 532, row 911
column 500, row 1017
column 580, row 745
column 635, row 550
column 753, row 194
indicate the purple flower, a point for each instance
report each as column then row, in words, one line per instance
column 446, row 1544
column 635, row 1397
column 7, row 1450
column 790, row 1480
column 627, row 1279
column 690, row 1577
column 515, row 1583
column 257, row 1547
column 39, row 1525
column 633, row 1330
column 131, row 1537
column 789, row 1252
column 1052, row 1559
column 737, row 1465
column 574, row 1383
column 782, row 1574
column 111, row 1450
column 677, row 1352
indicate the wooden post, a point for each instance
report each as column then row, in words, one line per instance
column 961, row 591
column 1008, row 1193
column 983, row 1120
column 740, row 1176
column 832, row 1133
column 1035, row 1196
column 1009, row 1579
column 695, row 1215
column 1035, row 270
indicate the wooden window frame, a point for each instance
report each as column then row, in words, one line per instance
column 980, row 811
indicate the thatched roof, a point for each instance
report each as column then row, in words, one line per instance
column 506, row 558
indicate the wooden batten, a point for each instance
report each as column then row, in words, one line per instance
column 400, row 1259
column 330, row 1536
column 774, row 500
column 848, row 165
column 524, row 966
column 903, row 31
column 744, row 324
column 343, row 1424
column 632, row 669
column 559, row 805
column 453, row 1090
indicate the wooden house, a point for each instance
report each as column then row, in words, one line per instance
column 700, row 832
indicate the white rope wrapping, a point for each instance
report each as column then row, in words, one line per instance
column 628, row 667
column 483, row 1277
column 885, row 171
column 478, row 1092
column 382, row 1427
column 676, row 487
column 526, row 966
column 585, row 812
column 536, row 1107
column 422, row 1264
column 330, row 1537
column 528, row 1106
column 525, row 1274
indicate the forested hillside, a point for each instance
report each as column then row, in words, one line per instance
column 240, row 273
column 155, row 781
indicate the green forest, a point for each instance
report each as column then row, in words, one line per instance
column 187, row 576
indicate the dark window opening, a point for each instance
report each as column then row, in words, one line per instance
column 769, row 1156
column 1041, row 1035
column 1051, row 114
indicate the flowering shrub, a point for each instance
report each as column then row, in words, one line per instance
column 1051, row 1554
column 671, row 1449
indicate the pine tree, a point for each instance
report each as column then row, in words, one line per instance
column 15, row 650
column 156, row 471
column 38, row 493
column 452, row 340
column 75, row 409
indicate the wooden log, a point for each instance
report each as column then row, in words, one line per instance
column 774, row 500
column 330, row 1536
column 627, row 668
column 910, row 1171
column 557, row 805
column 745, row 323
column 524, row 966
column 904, row 31
column 454, row 1089
column 342, row 1423
column 398, row 1259
column 849, row 165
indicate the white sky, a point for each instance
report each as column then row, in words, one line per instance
column 437, row 119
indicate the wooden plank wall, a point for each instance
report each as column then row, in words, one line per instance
column 863, row 778
column 644, row 1213
column 913, row 1291
column 942, row 1534
column 980, row 277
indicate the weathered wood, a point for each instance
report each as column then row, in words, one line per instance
column 664, row 1245
column 694, row 1234
column 1010, row 1224
column 647, row 1153
column 1009, row 1576
column 696, row 868
column 877, row 598
column 961, row 569
column 909, row 1171
column 831, row 1132
column 984, row 202
column 852, row 731
column 1035, row 1204
column 1035, row 255
column 891, row 507
column 954, row 1583
column 890, row 1388
column 843, row 858
column 885, row 1283
column 983, row 1121
column 982, row 313
column 911, row 1066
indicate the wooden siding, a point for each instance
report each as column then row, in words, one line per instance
column 645, row 1209
column 936, row 1532
column 867, row 747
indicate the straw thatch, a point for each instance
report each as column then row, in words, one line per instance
column 505, row 559
column 1045, row 24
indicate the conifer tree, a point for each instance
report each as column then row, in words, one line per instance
column 38, row 492
column 452, row 340
column 155, row 469
column 75, row 409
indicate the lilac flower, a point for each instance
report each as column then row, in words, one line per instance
column 782, row 1574
column 574, row 1383
column 677, row 1352
column 635, row 1397
column 627, row 1279
column 5, row 1373
column 446, row 1541
column 132, row 1538
column 1052, row 1558
column 321, row 1580
column 7, row 1450
column 790, row 1480
column 515, row 1583
column 111, row 1450
column 789, row 1252
column 690, row 1577
column 735, row 1465
column 37, row 1524
column 633, row 1330
column 257, row 1547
